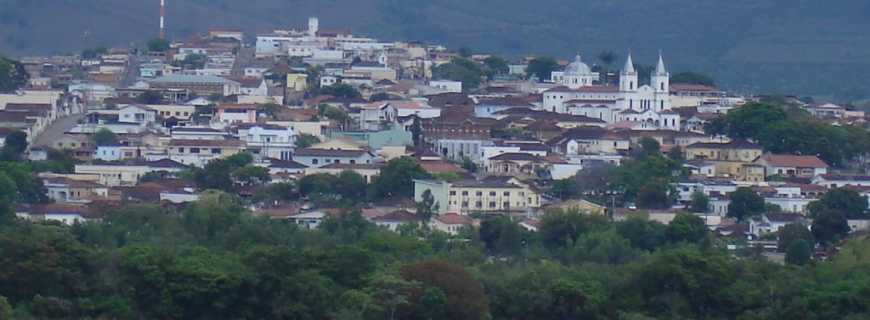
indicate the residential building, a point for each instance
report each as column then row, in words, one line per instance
column 792, row 165
column 199, row 152
column 490, row 195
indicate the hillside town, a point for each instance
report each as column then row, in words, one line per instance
column 289, row 119
column 313, row 173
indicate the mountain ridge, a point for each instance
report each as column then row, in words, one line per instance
column 780, row 46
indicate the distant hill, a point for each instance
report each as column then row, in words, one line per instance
column 787, row 46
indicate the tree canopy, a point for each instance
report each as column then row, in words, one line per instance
column 784, row 129
column 693, row 78
column 459, row 69
column 104, row 137
column 13, row 76
column 341, row 90
column 542, row 67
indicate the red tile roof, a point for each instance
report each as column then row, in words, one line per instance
column 453, row 218
column 786, row 160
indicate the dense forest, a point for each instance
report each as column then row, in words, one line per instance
column 212, row 260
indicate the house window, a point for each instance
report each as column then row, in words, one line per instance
column 492, row 193
column 452, row 193
column 215, row 150
column 492, row 204
column 180, row 150
column 194, row 150
column 313, row 161
column 478, row 204
column 479, row 193
column 464, row 193
column 465, row 204
column 507, row 193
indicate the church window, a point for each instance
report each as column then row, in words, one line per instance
column 662, row 85
column 631, row 85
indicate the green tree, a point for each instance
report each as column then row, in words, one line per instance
column 469, row 165
column 465, row 52
column 745, row 203
column 501, row 235
column 427, row 208
column 351, row 185
column 5, row 308
column 748, row 121
column 305, row 140
column 14, row 146
column 654, row 195
column 686, row 228
column 459, row 69
column 251, row 175
column 12, row 75
column 465, row 298
column 561, row 228
column 700, row 202
column 830, row 226
column 793, row 232
column 8, row 196
column 798, row 253
column 649, row 146
column 397, row 178
column 30, row 188
column 847, row 201
column 542, row 67
column 194, row 61
column 104, row 137
column 564, row 188
column 496, row 65
column 318, row 184
column 158, row 45
column 692, row 78
column 42, row 260
column 214, row 214
column 391, row 292
column 341, row 90
column 650, row 171
column 642, row 233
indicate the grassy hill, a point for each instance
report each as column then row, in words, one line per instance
column 789, row 46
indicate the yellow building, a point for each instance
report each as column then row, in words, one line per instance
column 729, row 159
column 297, row 81
column 737, row 150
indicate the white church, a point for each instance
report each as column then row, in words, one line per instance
column 645, row 107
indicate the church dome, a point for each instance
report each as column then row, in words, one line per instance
column 577, row 68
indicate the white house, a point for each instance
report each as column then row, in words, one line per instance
column 268, row 141
column 450, row 223
column 447, row 85
column 308, row 220
column 140, row 115
column 393, row 220
column 839, row 181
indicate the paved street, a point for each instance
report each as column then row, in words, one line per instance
column 56, row 130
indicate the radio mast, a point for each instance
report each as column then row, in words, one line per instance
column 162, row 19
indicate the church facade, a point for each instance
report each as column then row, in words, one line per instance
column 638, row 106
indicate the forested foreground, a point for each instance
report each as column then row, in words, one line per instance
column 213, row 261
